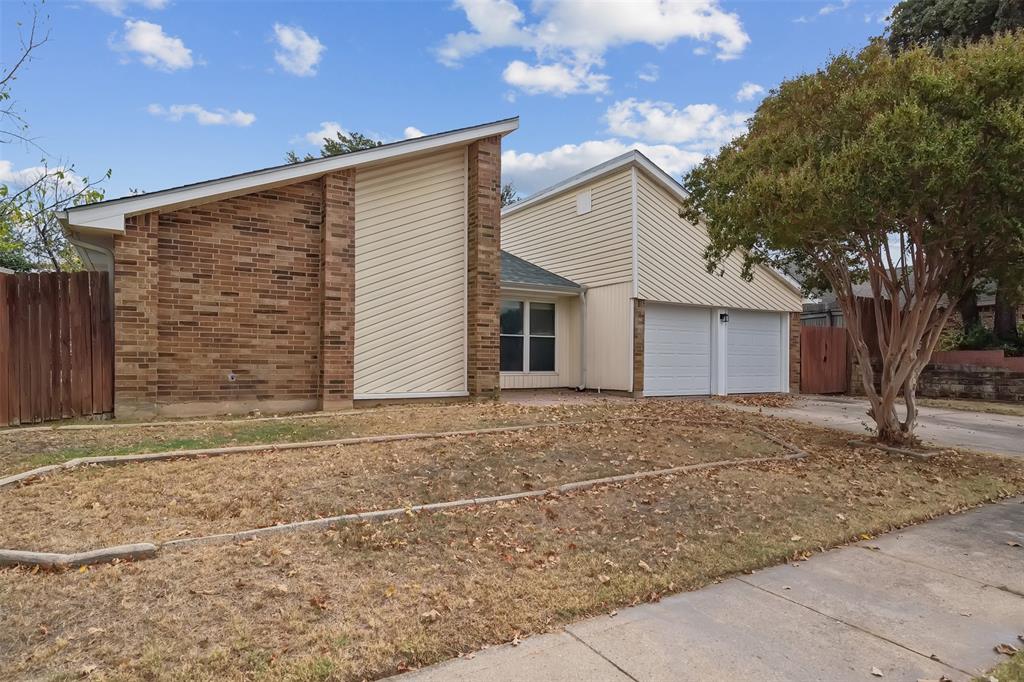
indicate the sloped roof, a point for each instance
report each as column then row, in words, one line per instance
column 108, row 216
column 517, row 272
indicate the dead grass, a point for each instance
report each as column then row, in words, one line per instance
column 988, row 407
column 21, row 449
column 760, row 400
column 365, row 601
column 159, row 501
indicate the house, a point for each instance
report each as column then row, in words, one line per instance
column 367, row 276
column 651, row 320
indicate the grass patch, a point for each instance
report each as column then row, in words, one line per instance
column 364, row 601
column 1011, row 670
column 1008, row 409
column 21, row 450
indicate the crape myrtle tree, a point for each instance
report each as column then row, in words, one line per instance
column 905, row 172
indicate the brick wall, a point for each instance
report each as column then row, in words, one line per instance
column 794, row 352
column 484, row 266
column 639, row 318
column 970, row 381
column 338, row 286
column 136, row 273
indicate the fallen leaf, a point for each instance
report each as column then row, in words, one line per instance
column 796, row 538
column 643, row 565
column 430, row 616
column 876, row 672
column 1006, row 649
column 603, row 578
column 1012, row 543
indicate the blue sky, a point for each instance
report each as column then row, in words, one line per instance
column 166, row 92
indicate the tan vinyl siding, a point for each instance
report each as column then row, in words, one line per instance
column 410, row 325
column 594, row 249
column 609, row 337
column 567, row 345
column 671, row 267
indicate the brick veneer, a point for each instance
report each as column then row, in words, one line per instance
column 136, row 271
column 484, row 267
column 337, row 291
column 639, row 318
column 794, row 352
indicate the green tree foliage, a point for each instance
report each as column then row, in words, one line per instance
column 342, row 143
column 941, row 24
column 509, row 195
column 904, row 171
column 946, row 23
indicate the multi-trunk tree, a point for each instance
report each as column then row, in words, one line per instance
column 903, row 171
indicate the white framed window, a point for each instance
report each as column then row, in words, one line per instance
column 527, row 336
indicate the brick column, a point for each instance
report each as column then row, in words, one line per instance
column 794, row 352
column 484, row 267
column 337, row 289
column 639, row 318
column 136, row 339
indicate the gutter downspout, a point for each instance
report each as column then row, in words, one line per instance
column 583, row 340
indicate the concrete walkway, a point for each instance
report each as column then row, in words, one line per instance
column 928, row 602
column 941, row 426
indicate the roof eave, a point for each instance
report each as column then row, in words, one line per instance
column 108, row 216
column 540, row 288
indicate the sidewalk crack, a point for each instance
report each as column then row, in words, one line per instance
column 609, row 661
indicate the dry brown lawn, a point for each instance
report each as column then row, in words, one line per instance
column 369, row 600
column 100, row 506
column 25, row 448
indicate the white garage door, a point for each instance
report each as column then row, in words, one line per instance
column 754, row 352
column 677, row 350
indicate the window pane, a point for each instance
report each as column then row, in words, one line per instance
column 542, row 354
column 511, row 354
column 511, row 317
column 542, row 318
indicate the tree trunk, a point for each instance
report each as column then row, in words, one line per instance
column 1005, row 324
column 968, row 309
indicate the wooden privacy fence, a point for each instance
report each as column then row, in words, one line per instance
column 823, row 360
column 56, row 346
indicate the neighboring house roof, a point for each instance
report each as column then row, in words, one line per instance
column 518, row 273
column 108, row 216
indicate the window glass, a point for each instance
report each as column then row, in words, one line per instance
column 542, row 319
column 511, row 317
column 512, row 353
column 542, row 353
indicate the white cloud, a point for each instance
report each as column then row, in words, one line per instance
column 749, row 91
column 411, row 132
column 570, row 37
column 649, row 73
column 702, row 127
column 299, row 52
column 204, row 117
column 24, row 177
column 555, row 79
column 837, row 7
column 154, row 47
column 530, row 172
column 328, row 129
column 118, row 7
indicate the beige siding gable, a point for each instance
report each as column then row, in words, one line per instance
column 593, row 249
column 671, row 264
column 410, row 320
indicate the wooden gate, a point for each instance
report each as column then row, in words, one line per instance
column 823, row 360
column 56, row 346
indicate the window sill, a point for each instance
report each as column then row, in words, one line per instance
column 529, row 374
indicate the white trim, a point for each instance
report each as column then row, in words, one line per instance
column 784, row 349
column 534, row 289
column 720, row 352
column 636, row 251
column 110, row 215
column 423, row 394
column 465, row 271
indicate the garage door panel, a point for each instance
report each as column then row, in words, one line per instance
column 677, row 350
column 754, row 352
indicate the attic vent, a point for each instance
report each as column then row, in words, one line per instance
column 583, row 202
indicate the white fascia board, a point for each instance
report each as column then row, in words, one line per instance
column 109, row 215
column 516, row 287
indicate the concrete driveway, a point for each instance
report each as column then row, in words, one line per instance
column 926, row 603
column 939, row 426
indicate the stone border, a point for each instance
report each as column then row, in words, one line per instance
column 144, row 550
column 913, row 454
column 105, row 555
column 115, row 460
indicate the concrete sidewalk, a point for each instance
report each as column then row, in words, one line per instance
column 941, row 426
column 920, row 604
